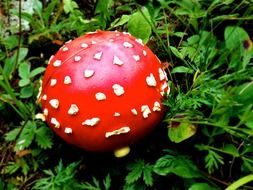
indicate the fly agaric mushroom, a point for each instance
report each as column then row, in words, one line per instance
column 103, row 91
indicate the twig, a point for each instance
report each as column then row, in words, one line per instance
column 217, row 180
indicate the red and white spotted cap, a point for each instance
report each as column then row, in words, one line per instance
column 103, row 91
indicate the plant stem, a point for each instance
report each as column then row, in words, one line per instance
column 240, row 182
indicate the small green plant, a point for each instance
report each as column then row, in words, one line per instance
column 139, row 172
column 26, row 76
column 28, row 133
column 61, row 178
column 96, row 185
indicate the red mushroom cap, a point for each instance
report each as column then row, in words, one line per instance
column 103, row 91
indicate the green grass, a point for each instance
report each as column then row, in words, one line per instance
column 205, row 141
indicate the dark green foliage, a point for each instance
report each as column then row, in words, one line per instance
column 178, row 165
column 139, row 170
column 207, row 50
column 62, row 178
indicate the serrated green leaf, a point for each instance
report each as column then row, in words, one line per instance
column 44, row 137
column 11, row 168
column 107, row 182
column 139, row 26
column 103, row 6
column 63, row 178
column 140, row 170
column 26, row 136
column 147, row 175
column 178, row 165
column 12, row 135
column 135, row 173
column 176, row 52
column 192, row 40
column 48, row 172
column 95, row 181
column 213, row 160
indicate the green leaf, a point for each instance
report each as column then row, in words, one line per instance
column 178, row 165
column 11, row 42
column 103, row 6
column 26, row 92
column 26, row 136
column 190, row 8
column 147, row 175
column 201, row 186
column 44, row 137
column 231, row 149
column 23, row 82
column 36, row 71
column 179, row 34
column 140, row 169
column 24, row 70
column 235, row 40
column 22, row 54
column 12, row 135
column 90, row 186
column 176, row 52
column 10, row 62
column 139, row 26
column 37, row 6
column 179, row 132
column 182, row 69
column 244, row 94
column 11, row 168
column 120, row 21
column 213, row 160
column 103, row 12
column 69, row 6
column 107, row 182
column 63, row 178
column 234, row 37
column 136, row 171
column 247, row 166
column 49, row 9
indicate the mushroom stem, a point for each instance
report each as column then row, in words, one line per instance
column 122, row 152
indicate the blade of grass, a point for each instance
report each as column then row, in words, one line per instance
column 21, row 109
column 240, row 182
